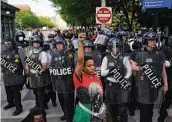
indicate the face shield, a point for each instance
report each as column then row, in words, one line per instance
column 115, row 49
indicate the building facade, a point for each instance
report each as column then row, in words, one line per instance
column 7, row 21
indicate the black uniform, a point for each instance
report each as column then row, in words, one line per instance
column 38, row 81
column 61, row 71
column 116, row 97
column 149, row 61
column 13, row 78
column 168, row 97
column 38, row 78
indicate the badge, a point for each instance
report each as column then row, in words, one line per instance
column 56, row 58
column 8, row 57
column 70, row 55
column 121, row 57
column 16, row 56
column 149, row 60
column 111, row 64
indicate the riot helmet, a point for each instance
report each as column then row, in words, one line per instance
column 88, row 46
column 19, row 36
column 150, row 35
column 88, row 43
column 58, row 41
column 137, row 44
column 114, row 45
column 36, row 41
column 122, row 35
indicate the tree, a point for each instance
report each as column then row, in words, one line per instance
column 26, row 19
column 44, row 21
column 82, row 12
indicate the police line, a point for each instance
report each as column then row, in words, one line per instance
column 9, row 66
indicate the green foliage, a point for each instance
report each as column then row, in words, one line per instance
column 82, row 12
column 26, row 19
column 44, row 21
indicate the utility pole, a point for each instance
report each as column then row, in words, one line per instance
column 103, row 4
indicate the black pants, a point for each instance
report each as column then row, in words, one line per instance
column 133, row 104
column 146, row 112
column 115, row 110
column 14, row 95
column 39, row 95
column 67, row 104
column 165, row 105
column 49, row 94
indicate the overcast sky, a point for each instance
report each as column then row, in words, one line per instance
column 42, row 7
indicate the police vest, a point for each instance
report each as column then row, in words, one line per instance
column 155, row 61
column 11, row 60
column 117, row 63
column 57, row 60
column 34, row 61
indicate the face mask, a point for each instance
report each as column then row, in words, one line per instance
column 20, row 38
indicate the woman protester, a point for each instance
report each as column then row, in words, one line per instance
column 88, row 86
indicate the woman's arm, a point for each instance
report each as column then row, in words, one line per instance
column 80, row 60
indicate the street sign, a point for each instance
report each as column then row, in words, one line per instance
column 147, row 4
column 103, row 15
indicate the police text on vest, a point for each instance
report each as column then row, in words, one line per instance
column 120, row 79
column 61, row 71
column 34, row 66
column 9, row 66
column 151, row 76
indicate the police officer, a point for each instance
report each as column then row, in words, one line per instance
column 13, row 78
column 149, row 68
column 117, row 70
column 50, row 40
column 168, row 96
column 20, row 39
column 38, row 73
column 21, row 43
column 61, row 70
column 123, row 36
